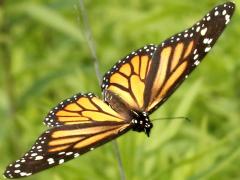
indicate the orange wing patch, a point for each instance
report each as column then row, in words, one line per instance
column 126, row 69
column 137, row 87
column 173, row 78
column 189, row 50
column 173, row 64
column 64, row 138
column 58, row 149
column 177, row 55
column 81, row 109
column 93, row 139
column 162, row 71
column 63, row 141
column 120, row 79
column 63, row 113
column 127, row 78
column 85, row 103
column 144, row 66
column 72, row 118
column 73, row 107
column 135, row 63
column 131, row 87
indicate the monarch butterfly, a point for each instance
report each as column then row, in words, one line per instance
column 132, row 90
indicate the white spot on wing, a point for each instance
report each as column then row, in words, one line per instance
column 198, row 29
column 207, row 49
column 76, row 154
column 69, row 153
column 17, row 165
column 196, row 62
column 195, row 57
column 50, row 160
column 39, row 158
column 61, row 161
column 203, row 31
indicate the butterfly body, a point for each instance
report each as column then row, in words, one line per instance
column 133, row 88
column 141, row 122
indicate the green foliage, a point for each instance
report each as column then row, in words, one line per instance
column 45, row 59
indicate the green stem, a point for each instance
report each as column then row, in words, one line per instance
column 118, row 156
column 91, row 45
column 90, row 41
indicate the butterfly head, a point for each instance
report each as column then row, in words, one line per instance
column 141, row 122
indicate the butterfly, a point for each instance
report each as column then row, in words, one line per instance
column 132, row 90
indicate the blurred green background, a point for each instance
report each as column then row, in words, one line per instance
column 45, row 59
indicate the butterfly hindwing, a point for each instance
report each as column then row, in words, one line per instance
column 128, row 77
column 63, row 143
column 81, row 108
column 176, row 57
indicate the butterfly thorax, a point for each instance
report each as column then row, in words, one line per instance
column 141, row 122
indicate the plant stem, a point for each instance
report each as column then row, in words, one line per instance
column 90, row 41
column 91, row 45
column 118, row 156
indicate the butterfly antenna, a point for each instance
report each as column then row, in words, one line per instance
column 172, row 118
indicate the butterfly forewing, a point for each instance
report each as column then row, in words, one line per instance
column 61, row 144
column 128, row 77
column 176, row 57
